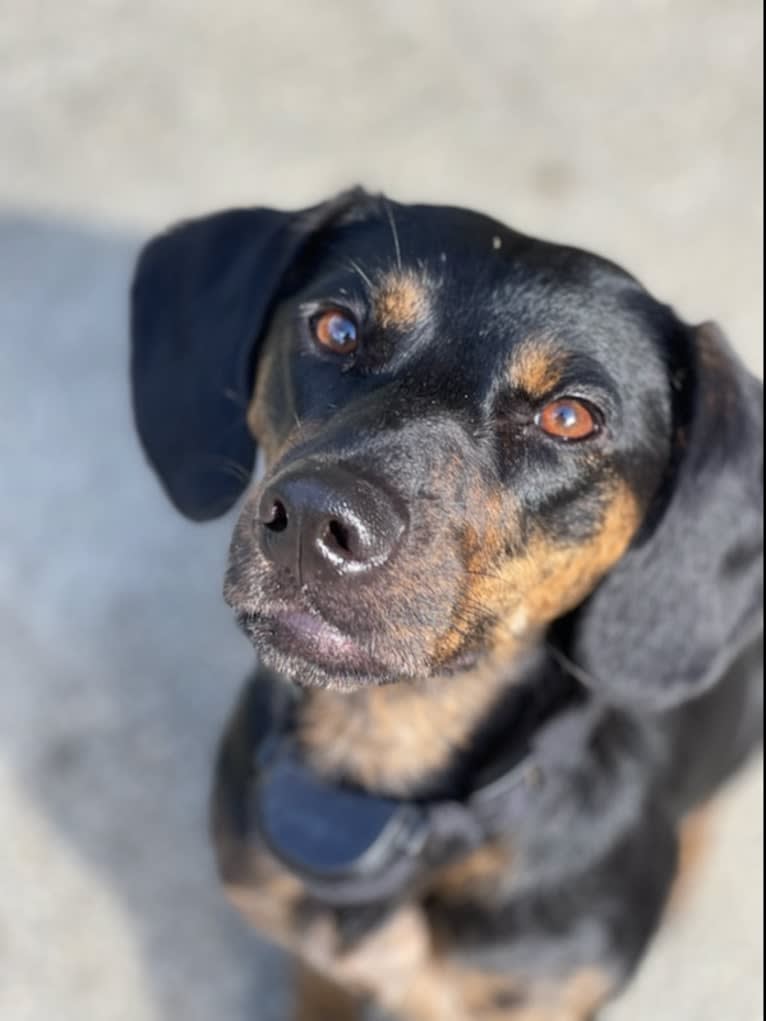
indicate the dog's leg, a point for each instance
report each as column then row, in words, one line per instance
column 400, row 968
column 319, row 999
column 445, row 993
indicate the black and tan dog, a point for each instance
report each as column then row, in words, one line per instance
column 507, row 550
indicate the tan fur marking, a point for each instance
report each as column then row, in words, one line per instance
column 528, row 591
column 694, row 840
column 496, row 517
column 533, row 369
column 384, row 964
column 585, row 992
column 445, row 992
column 563, row 577
column 267, row 896
column 387, row 737
column 463, row 878
column 399, row 966
column 318, row 999
column 401, row 302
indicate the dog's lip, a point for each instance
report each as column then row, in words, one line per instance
column 311, row 637
column 314, row 629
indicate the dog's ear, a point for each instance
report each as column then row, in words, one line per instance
column 679, row 608
column 200, row 303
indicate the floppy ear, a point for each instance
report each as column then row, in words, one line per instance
column 201, row 299
column 680, row 607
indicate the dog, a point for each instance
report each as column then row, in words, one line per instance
column 503, row 572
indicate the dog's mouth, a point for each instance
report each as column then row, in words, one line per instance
column 283, row 637
column 313, row 652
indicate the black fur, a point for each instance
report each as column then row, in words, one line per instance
column 666, row 649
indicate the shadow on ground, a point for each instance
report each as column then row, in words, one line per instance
column 119, row 660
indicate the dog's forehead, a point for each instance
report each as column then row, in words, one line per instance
column 486, row 292
column 447, row 240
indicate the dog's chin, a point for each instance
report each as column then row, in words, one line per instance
column 308, row 673
column 307, row 650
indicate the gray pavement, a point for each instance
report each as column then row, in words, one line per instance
column 632, row 128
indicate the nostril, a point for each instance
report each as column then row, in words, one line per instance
column 318, row 521
column 337, row 535
column 276, row 519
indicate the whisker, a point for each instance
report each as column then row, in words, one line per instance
column 229, row 466
column 394, row 233
column 486, row 575
column 353, row 265
column 571, row 668
column 235, row 469
column 234, row 397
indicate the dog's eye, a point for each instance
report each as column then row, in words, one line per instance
column 336, row 330
column 568, row 419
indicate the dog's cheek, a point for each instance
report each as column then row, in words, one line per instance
column 530, row 589
column 492, row 524
column 554, row 580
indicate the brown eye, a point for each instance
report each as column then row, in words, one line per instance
column 336, row 330
column 568, row 419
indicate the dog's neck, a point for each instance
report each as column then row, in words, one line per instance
column 394, row 739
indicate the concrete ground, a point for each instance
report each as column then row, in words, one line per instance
column 632, row 128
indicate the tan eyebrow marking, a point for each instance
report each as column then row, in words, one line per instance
column 401, row 300
column 535, row 367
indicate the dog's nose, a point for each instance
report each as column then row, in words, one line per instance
column 325, row 521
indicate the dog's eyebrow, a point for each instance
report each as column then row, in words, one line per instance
column 536, row 367
column 401, row 300
column 541, row 366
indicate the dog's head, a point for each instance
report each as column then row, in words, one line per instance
column 469, row 435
